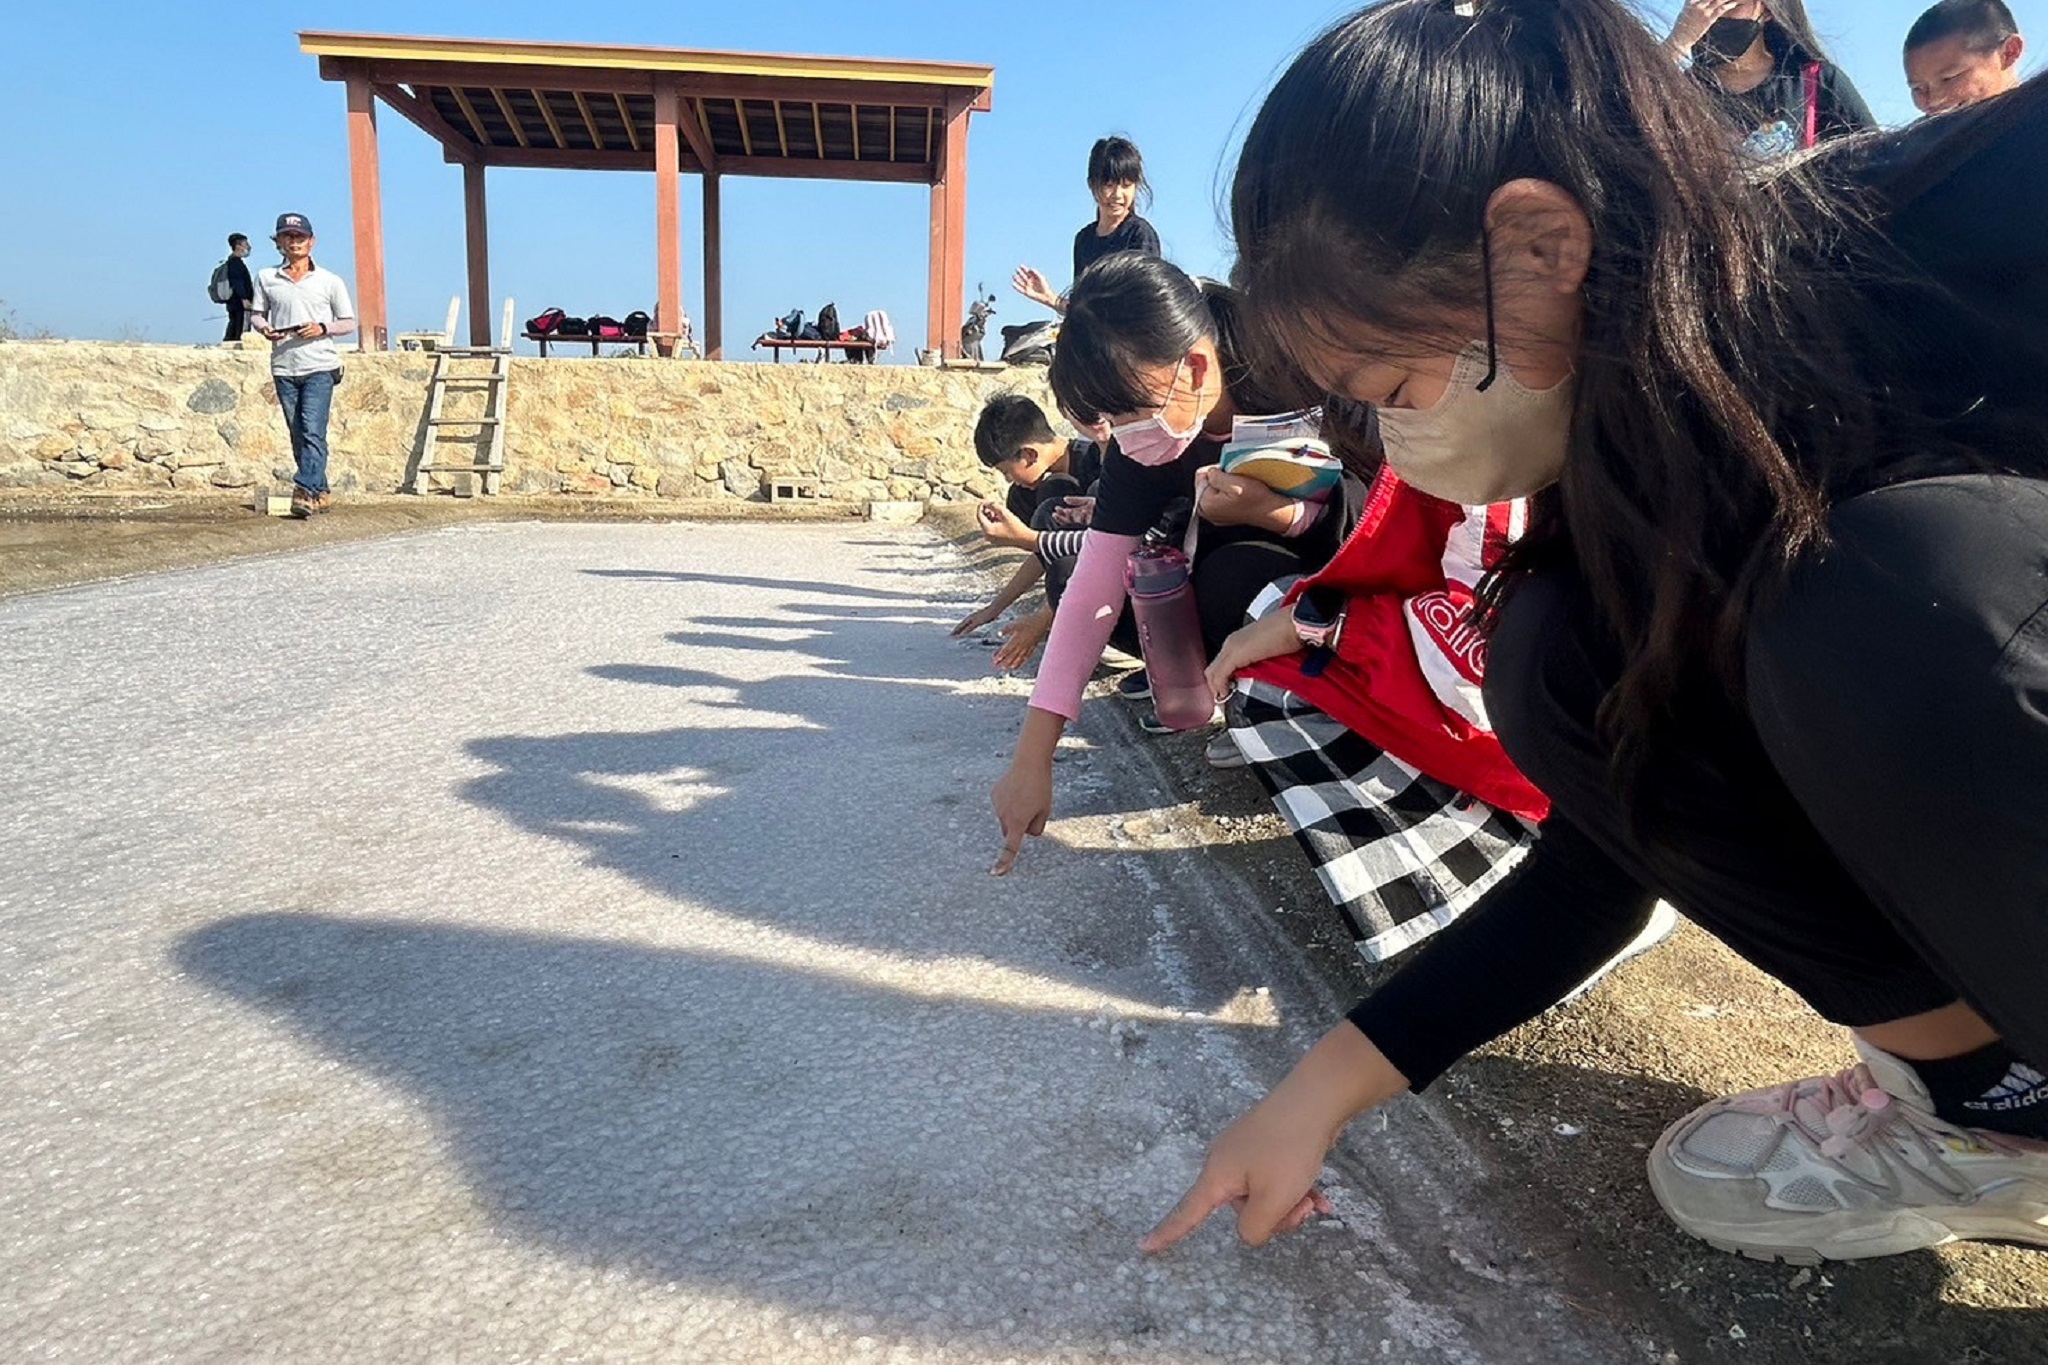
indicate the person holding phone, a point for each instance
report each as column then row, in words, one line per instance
column 300, row 308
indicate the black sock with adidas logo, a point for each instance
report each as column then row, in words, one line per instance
column 1989, row 1088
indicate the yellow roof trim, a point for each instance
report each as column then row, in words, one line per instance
column 391, row 47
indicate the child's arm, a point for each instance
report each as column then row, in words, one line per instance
column 1230, row 500
column 1088, row 614
column 1027, row 576
column 1001, row 526
column 1267, row 1162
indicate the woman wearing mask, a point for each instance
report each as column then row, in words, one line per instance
column 1773, row 77
column 1776, row 643
column 1149, row 367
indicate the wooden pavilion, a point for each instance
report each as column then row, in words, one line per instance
column 574, row 106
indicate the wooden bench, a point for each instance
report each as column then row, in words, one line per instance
column 777, row 345
column 547, row 339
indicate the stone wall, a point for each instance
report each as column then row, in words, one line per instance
column 94, row 416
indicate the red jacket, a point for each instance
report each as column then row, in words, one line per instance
column 1409, row 660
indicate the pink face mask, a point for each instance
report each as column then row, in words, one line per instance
column 1149, row 440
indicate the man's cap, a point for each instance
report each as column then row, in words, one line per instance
column 292, row 222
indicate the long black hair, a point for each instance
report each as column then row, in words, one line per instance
column 1115, row 160
column 1738, row 370
column 1131, row 313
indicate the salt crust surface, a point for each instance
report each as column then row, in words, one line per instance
column 556, row 942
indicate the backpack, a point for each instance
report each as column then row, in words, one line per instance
column 607, row 328
column 636, row 324
column 789, row 326
column 546, row 323
column 828, row 322
column 573, row 327
column 220, row 288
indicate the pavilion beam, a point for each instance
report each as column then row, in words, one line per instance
column 694, row 132
column 488, row 75
column 714, row 272
column 505, row 108
column 711, row 85
column 765, row 167
column 948, row 283
column 366, row 197
column 423, row 116
column 590, row 121
column 668, row 215
column 477, row 236
column 469, row 114
column 626, row 120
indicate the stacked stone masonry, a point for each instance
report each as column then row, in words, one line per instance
column 93, row 416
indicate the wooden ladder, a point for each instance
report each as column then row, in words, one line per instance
column 489, row 460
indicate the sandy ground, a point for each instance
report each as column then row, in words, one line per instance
column 1519, row 1215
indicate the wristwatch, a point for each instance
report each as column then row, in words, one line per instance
column 1319, row 624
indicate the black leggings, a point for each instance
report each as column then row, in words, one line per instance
column 1874, row 833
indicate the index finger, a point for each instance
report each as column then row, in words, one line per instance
column 1190, row 1213
column 1007, row 859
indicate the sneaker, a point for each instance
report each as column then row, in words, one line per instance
column 1843, row 1167
column 1663, row 923
column 1134, row 686
column 1224, row 753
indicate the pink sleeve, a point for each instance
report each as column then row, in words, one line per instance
column 1088, row 612
column 1306, row 515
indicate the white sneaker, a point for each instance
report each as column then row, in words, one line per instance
column 1843, row 1167
column 1663, row 924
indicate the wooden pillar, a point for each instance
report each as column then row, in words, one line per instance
column 714, row 273
column 371, row 319
column 947, row 308
column 668, row 211
column 476, row 224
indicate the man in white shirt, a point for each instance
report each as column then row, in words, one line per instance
column 300, row 308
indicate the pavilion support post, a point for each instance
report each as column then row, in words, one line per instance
column 714, row 272
column 476, row 224
column 668, row 212
column 947, row 309
column 371, row 319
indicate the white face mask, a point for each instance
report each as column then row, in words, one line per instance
column 1476, row 446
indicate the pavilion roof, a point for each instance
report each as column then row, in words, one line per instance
column 592, row 107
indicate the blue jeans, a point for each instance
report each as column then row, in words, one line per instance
column 305, row 400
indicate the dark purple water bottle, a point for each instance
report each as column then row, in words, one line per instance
column 1162, row 591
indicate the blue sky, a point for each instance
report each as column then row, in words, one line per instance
column 140, row 135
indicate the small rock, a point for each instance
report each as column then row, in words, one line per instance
column 1801, row 1280
column 1735, row 1333
column 213, row 396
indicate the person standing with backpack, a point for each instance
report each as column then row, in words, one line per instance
column 300, row 308
column 231, row 286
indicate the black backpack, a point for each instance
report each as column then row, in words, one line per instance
column 572, row 327
column 637, row 323
column 790, row 325
column 828, row 322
